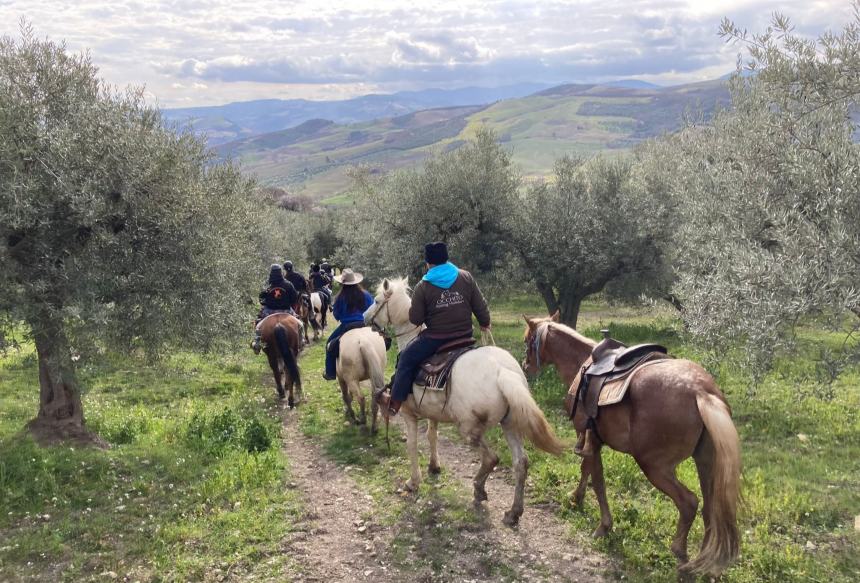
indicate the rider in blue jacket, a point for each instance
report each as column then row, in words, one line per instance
column 349, row 307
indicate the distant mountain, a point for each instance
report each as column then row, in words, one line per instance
column 224, row 123
column 314, row 157
column 632, row 84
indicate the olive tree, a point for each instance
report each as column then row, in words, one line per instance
column 466, row 197
column 768, row 195
column 115, row 232
column 596, row 223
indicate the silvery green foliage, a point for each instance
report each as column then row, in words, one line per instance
column 769, row 196
column 466, row 198
column 114, row 231
column 598, row 222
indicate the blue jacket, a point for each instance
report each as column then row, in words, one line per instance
column 344, row 317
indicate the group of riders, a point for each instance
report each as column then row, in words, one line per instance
column 443, row 303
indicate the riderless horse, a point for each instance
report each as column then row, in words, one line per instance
column 672, row 410
column 486, row 387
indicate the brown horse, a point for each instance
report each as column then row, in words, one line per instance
column 281, row 333
column 672, row 410
column 303, row 309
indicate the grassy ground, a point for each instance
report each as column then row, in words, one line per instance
column 194, row 485
column 191, row 489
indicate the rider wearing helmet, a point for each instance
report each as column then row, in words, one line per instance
column 443, row 301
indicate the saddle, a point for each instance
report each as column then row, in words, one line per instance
column 606, row 375
column 434, row 372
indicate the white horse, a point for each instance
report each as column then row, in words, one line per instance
column 318, row 314
column 487, row 387
column 362, row 357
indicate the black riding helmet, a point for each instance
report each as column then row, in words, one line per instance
column 288, row 266
column 275, row 273
column 315, row 267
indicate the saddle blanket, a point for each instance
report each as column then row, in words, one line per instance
column 613, row 391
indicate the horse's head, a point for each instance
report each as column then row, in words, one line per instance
column 534, row 339
column 390, row 304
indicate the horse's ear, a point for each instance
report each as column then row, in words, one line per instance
column 529, row 323
column 556, row 317
column 385, row 284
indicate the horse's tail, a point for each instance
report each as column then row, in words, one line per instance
column 721, row 543
column 377, row 372
column 525, row 416
column 283, row 342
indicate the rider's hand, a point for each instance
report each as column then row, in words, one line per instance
column 486, row 328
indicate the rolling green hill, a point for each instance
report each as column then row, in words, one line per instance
column 314, row 158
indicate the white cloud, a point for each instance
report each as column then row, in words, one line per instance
column 221, row 50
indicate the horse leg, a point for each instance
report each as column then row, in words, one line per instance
column 488, row 461
column 433, row 440
column 599, row 487
column 584, row 471
column 374, row 413
column 274, row 363
column 412, row 448
column 355, row 390
column 347, row 401
column 520, row 463
column 663, row 478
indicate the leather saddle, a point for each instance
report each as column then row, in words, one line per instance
column 611, row 362
column 434, row 372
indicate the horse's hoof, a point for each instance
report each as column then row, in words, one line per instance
column 601, row 531
column 410, row 487
column 480, row 495
column 511, row 518
column 434, row 470
column 291, row 403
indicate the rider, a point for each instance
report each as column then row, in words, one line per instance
column 443, row 301
column 349, row 308
column 279, row 296
column 297, row 279
column 321, row 282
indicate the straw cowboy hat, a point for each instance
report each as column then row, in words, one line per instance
column 348, row 277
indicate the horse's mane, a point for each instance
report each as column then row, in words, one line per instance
column 571, row 332
column 396, row 284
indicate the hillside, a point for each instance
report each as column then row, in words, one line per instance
column 224, row 123
column 314, row 158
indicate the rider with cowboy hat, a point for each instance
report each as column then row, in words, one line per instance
column 349, row 307
column 443, row 301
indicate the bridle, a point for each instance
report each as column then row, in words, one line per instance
column 377, row 327
column 537, row 342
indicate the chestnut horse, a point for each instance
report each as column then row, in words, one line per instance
column 672, row 410
column 281, row 333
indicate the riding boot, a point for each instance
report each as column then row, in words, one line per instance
column 389, row 406
column 255, row 344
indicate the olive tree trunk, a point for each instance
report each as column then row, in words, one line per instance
column 60, row 415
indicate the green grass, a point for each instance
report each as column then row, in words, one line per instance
column 193, row 483
column 194, row 480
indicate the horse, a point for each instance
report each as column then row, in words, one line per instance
column 362, row 357
column 486, row 387
column 673, row 409
column 319, row 311
column 282, row 335
column 304, row 311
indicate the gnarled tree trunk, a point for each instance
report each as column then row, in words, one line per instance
column 61, row 415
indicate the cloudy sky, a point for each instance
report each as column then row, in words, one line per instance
column 189, row 52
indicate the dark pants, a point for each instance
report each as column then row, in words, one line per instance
column 333, row 346
column 410, row 359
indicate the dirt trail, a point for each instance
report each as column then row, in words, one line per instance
column 332, row 541
column 541, row 541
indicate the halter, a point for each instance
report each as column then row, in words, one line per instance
column 538, row 340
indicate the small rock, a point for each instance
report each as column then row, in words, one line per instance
column 362, row 528
column 368, row 573
column 567, row 557
column 810, row 546
column 803, row 437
